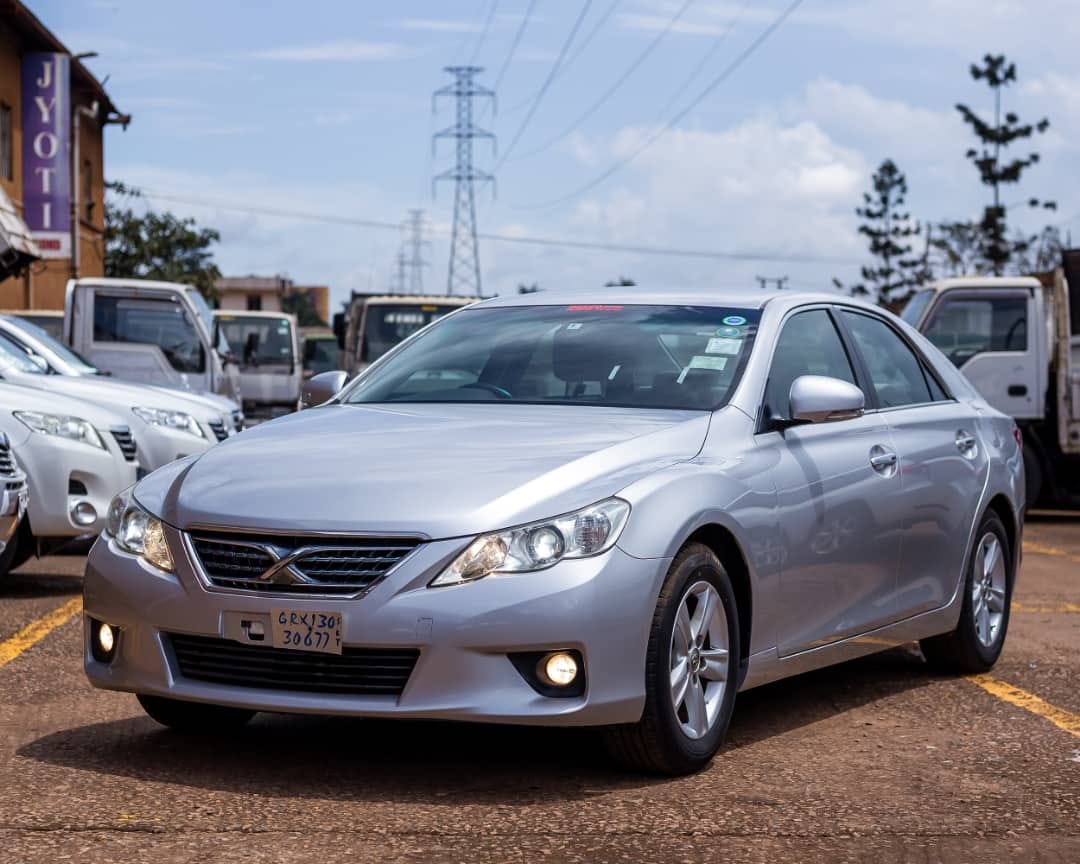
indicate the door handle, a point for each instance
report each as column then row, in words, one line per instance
column 965, row 442
column 1017, row 390
column 882, row 460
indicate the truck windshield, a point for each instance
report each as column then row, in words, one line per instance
column 258, row 340
column 686, row 357
column 387, row 324
column 916, row 306
column 320, row 354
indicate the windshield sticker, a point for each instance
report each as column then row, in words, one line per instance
column 575, row 326
column 730, row 332
column 735, row 320
column 594, row 308
column 701, row 361
column 614, row 372
column 722, row 345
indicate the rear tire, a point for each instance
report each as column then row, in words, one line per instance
column 976, row 643
column 193, row 717
column 679, row 736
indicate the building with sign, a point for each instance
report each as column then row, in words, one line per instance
column 52, row 192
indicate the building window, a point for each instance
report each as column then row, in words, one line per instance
column 254, row 302
column 7, row 149
column 87, row 191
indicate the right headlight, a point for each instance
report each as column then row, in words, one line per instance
column 539, row 545
column 137, row 532
column 177, row 420
column 61, row 426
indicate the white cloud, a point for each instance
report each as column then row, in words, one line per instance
column 343, row 50
column 438, row 25
column 333, row 118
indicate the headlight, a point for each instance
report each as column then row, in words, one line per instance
column 137, row 532
column 540, row 545
column 72, row 428
column 177, row 420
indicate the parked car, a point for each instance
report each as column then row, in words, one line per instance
column 58, row 358
column 167, row 427
column 599, row 508
column 76, row 456
column 52, row 322
column 14, row 495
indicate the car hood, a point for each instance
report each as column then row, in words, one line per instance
column 438, row 470
column 15, row 397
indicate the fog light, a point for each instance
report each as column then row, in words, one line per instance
column 559, row 669
column 83, row 514
column 103, row 638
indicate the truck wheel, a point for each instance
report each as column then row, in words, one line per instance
column 976, row 643
column 690, row 671
column 193, row 717
column 1033, row 474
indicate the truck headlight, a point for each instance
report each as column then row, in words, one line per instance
column 539, row 545
column 72, row 428
column 177, row 420
column 137, row 532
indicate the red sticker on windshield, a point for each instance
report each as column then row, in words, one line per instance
column 594, row 308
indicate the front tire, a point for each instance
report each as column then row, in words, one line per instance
column 193, row 717
column 691, row 671
column 976, row 643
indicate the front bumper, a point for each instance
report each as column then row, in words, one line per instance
column 14, row 499
column 601, row 606
column 159, row 445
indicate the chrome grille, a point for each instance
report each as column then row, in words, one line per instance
column 217, row 426
column 361, row 671
column 7, row 464
column 298, row 564
column 126, row 440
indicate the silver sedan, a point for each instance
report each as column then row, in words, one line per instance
column 613, row 508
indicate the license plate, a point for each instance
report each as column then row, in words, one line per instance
column 306, row 630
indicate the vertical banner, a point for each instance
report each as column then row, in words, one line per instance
column 46, row 114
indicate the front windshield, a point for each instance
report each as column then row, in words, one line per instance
column 258, row 340
column 387, row 324
column 914, row 309
column 630, row 356
column 74, row 359
column 320, row 354
column 13, row 358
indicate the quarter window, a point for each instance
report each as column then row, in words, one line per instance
column 966, row 326
column 896, row 373
column 808, row 345
column 151, row 322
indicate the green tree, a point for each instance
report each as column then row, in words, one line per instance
column 894, row 273
column 157, row 245
column 302, row 305
column 621, row 282
column 528, row 289
column 995, row 246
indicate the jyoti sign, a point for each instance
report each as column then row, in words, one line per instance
column 46, row 113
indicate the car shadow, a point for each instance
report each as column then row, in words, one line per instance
column 28, row 584
column 405, row 760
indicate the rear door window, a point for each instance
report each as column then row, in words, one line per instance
column 896, row 373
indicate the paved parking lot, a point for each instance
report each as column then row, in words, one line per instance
column 874, row 760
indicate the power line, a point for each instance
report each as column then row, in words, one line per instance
column 381, row 225
column 622, row 79
column 484, row 32
column 514, row 45
column 547, row 81
column 741, row 58
column 600, row 22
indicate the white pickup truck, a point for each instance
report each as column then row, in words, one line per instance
column 1017, row 339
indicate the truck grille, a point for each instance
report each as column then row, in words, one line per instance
column 360, row 671
column 7, row 464
column 126, row 440
column 217, row 426
column 298, row 565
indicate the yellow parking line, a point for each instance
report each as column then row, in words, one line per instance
column 1039, row 549
column 1061, row 718
column 34, row 632
column 1057, row 607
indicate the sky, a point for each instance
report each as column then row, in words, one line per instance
column 260, row 119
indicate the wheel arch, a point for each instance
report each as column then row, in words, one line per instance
column 1001, row 507
column 722, row 542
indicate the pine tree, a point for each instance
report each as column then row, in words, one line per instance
column 995, row 246
column 894, row 274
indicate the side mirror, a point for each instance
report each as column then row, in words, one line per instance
column 320, row 388
column 818, row 399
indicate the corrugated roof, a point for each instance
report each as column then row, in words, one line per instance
column 17, row 247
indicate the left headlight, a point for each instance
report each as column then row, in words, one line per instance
column 72, row 428
column 177, row 420
column 137, row 532
column 539, row 545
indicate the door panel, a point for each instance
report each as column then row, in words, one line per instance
column 942, row 484
column 839, row 524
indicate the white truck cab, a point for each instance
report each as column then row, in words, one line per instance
column 267, row 348
column 1012, row 337
column 156, row 332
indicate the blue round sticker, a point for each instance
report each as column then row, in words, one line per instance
column 735, row 320
column 729, row 332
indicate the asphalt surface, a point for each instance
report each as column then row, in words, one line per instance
column 875, row 760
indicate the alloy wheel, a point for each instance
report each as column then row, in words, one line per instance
column 988, row 589
column 699, row 659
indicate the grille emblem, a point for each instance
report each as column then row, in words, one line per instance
column 281, row 572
